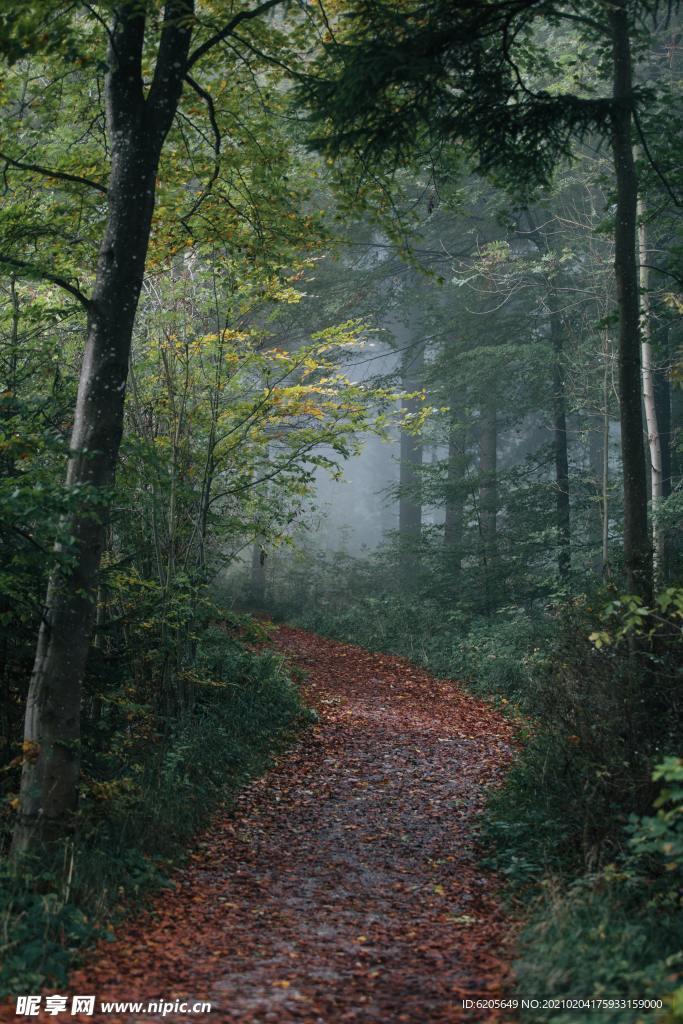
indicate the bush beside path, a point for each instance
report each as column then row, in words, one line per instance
column 344, row 885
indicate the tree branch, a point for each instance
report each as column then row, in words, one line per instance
column 32, row 271
column 651, row 160
column 29, row 538
column 266, row 57
column 228, row 29
column 59, row 175
column 208, row 99
column 171, row 64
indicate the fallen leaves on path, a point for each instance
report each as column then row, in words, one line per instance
column 344, row 886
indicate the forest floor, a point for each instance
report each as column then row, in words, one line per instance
column 344, row 886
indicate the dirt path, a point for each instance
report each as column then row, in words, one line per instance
column 343, row 887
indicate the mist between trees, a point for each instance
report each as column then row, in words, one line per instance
column 365, row 318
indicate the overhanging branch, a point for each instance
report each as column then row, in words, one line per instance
column 32, row 271
column 208, row 99
column 58, row 175
column 228, row 29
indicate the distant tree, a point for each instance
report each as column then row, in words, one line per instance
column 400, row 79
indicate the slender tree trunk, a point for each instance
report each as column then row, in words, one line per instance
column 8, row 409
column 605, row 483
column 637, row 547
column 663, row 406
column 136, row 129
column 562, row 509
column 410, row 503
column 258, row 573
column 455, row 497
column 649, row 385
column 595, row 459
column 488, row 492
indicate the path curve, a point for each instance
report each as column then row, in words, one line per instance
column 343, row 888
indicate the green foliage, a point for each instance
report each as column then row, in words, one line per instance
column 601, row 938
column 399, row 80
column 618, row 933
column 593, row 682
column 142, row 806
column 602, row 717
column 659, row 838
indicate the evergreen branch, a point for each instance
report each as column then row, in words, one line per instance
column 47, row 173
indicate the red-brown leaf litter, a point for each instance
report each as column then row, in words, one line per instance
column 344, row 886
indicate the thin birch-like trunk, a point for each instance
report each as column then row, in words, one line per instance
column 654, row 438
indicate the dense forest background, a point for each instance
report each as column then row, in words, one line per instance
column 367, row 318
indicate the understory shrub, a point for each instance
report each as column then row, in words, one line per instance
column 617, row 933
column 584, row 815
column 138, row 816
column 580, row 828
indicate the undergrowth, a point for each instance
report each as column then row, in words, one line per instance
column 138, row 816
column 592, row 866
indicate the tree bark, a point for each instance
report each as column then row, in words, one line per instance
column 663, row 406
column 258, row 573
column 136, row 128
column 654, row 437
column 455, row 497
column 595, row 462
column 637, row 547
column 562, row 507
column 410, row 504
column 488, row 493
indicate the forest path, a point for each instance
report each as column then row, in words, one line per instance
column 343, row 887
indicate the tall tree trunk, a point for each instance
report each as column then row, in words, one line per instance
column 562, row 509
column 663, row 406
column 637, row 547
column 649, row 385
column 488, row 492
column 136, row 129
column 605, row 484
column 258, row 573
column 455, row 496
column 410, row 503
column 595, row 462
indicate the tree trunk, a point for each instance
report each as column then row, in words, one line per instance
column 595, row 452
column 605, row 484
column 637, row 548
column 663, row 406
column 410, row 504
column 488, row 493
column 136, row 129
column 562, row 510
column 649, row 384
column 455, row 498
column 258, row 573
